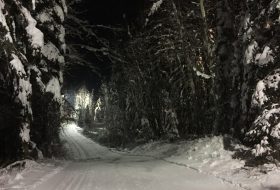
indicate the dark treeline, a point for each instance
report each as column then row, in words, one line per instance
column 198, row 68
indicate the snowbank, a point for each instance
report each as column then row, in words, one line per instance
column 208, row 155
column 15, row 171
column 28, row 174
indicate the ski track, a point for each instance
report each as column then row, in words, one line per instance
column 94, row 167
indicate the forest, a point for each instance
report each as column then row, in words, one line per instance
column 185, row 69
column 146, row 71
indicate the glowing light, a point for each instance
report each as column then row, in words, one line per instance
column 83, row 99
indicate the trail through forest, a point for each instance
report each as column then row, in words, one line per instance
column 93, row 167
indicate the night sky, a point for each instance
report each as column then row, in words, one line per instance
column 102, row 12
column 110, row 12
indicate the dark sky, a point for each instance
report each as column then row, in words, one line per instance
column 103, row 12
column 111, row 11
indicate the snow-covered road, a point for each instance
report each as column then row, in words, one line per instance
column 94, row 167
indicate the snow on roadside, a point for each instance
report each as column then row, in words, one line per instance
column 205, row 155
column 208, row 155
column 28, row 174
column 14, row 170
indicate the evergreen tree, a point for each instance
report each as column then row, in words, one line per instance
column 32, row 41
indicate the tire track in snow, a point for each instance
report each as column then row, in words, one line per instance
column 80, row 183
column 73, row 149
column 46, row 177
column 63, row 182
column 81, row 153
column 79, row 143
column 73, row 183
column 83, row 145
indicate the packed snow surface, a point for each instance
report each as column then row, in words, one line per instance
column 194, row 165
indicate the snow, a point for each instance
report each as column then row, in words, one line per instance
column 33, row 5
column 265, row 57
column 263, row 119
column 272, row 81
column 275, row 132
column 259, row 97
column 83, row 99
column 201, row 164
column 97, row 109
column 13, row 173
column 18, row 177
column 59, row 12
column 275, row 4
column 95, row 167
column 44, row 16
column 4, row 22
column 200, row 74
column 208, row 156
column 262, row 128
column 24, row 87
column 25, row 90
column 81, row 147
column 24, row 132
column 261, row 148
column 35, row 35
column 155, row 7
column 53, row 87
column 249, row 53
column 210, row 151
column 64, row 6
column 51, row 52
column 29, row 175
column 278, row 4
column 17, row 65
